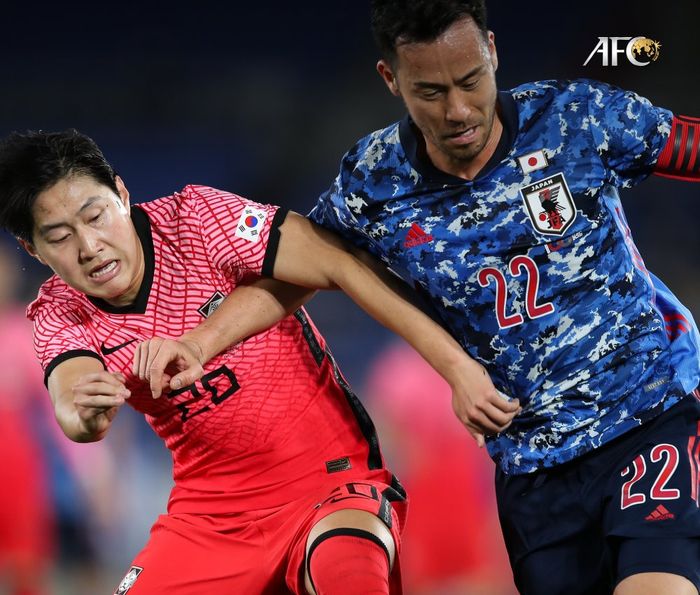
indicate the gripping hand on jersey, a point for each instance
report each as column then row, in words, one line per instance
column 168, row 364
column 479, row 405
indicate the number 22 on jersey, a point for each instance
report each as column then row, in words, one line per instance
column 515, row 268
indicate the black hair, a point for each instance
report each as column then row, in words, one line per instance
column 413, row 21
column 34, row 161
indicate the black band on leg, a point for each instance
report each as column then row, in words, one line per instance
column 350, row 531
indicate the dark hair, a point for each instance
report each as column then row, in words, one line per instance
column 409, row 21
column 32, row 162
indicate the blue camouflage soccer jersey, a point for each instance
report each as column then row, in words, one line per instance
column 532, row 266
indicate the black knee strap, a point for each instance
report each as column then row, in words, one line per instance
column 361, row 533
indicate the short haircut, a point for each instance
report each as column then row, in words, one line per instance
column 395, row 22
column 32, row 162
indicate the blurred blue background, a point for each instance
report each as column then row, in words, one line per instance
column 263, row 99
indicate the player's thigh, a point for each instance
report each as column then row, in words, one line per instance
column 183, row 558
column 658, row 566
column 344, row 522
column 656, row 583
column 576, row 565
column 350, row 518
column 652, row 514
column 553, row 542
column 368, row 506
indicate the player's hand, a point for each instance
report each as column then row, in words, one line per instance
column 167, row 364
column 97, row 397
column 479, row 406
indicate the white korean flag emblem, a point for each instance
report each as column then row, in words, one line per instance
column 533, row 161
column 251, row 224
column 550, row 205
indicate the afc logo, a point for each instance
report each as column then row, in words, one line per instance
column 639, row 51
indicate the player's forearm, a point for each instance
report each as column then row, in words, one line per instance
column 314, row 257
column 248, row 310
column 85, row 397
column 69, row 421
column 389, row 301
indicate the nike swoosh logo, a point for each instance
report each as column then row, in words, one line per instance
column 108, row 350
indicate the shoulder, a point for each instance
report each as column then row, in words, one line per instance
column 379, row 165
column 190, row 208
column 182, row 203
column 561, row 92
column 58, row 301
column 376, row 149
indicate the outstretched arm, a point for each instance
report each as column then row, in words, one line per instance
column 312, row 257
column 250, row 309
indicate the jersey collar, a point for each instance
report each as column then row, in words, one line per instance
column 143, row 231
column 412, row 144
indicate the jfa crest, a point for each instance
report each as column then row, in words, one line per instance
column 550, row 205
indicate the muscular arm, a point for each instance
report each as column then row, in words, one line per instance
column 312, row 257
column 85, row 397
column 680, row 157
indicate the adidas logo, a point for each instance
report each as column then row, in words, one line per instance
column 416, row 237
column 660, row 513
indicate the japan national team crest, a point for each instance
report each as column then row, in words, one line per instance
column 251, row 224
column 550, row 205
column 129, row 580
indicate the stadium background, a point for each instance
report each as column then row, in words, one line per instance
column 263, row 99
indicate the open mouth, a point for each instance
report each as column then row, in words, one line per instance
column 103, row 270
column 466, row 135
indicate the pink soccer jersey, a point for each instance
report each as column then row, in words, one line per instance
column 272, row 415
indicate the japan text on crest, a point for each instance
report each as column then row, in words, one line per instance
column 550, row 205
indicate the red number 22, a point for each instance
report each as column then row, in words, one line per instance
column 516, row 267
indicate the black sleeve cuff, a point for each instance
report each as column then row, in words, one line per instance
column 273, row 243
column 66, row 355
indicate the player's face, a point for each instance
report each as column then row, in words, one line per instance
column 449, row 88
column 82, row 230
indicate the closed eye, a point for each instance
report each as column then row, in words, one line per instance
column 429, row 93
column 96, row 218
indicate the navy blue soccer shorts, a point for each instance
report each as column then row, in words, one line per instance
column 629, row 507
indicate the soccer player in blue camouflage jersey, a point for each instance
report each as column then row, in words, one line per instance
column 502, row 209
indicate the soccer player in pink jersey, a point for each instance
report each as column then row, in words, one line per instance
column 279, row 481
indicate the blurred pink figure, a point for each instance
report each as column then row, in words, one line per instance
column 26, row 519
column 452, row 543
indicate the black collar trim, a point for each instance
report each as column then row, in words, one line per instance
column 143, row 231
column 413, row 144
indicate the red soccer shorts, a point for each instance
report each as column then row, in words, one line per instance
column 254, row 552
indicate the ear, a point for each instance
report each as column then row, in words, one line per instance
column 124, row 203
column 31, row 250
column 492, row 50
column 388, row 76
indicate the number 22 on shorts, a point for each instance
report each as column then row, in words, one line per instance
column 667, row 453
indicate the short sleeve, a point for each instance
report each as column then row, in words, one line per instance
column 628, row 131
column 241, row 236
column 60, row 333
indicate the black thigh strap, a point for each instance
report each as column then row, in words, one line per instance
column 361, row 533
